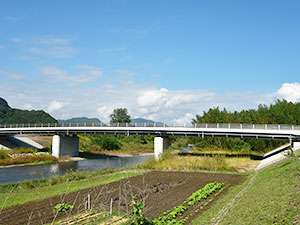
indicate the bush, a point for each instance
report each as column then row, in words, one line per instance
column 3, row 154
column 106, row 142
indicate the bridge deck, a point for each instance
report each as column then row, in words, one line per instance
column 269, row 131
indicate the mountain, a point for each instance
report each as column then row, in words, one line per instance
column 10, row 115
column 141, row 120
column 81, row 120
column 145, row 121
column 4, row 103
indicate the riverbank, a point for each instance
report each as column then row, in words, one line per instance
column 44, row 158
column 27, row 191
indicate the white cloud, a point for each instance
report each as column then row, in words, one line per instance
column 91, row 71
column 169, row 60
column 28, row 106
column 12, row 75
column 49, row 46
column 97, row 95
column 26, row 57
column 86, row 75
column 57, row 51
column 11, row 18
column 167, row 102
column 186, row 119
column 55, row 73
column 152, row 98
column 112, row 50
column 104, row 112
column 16, row 40
column 54, row 41
column 55, row 105
column 125, row 73
column 290, row 92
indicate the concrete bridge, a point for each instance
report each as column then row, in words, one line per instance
column 66, row 142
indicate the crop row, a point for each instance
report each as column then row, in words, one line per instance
column 169, row 217
column 202, row 206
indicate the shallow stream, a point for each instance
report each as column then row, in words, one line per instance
column 20, row 173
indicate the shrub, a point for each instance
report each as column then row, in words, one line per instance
column 3, row 154
column 106, row 142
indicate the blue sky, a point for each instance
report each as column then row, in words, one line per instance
column 163, row 60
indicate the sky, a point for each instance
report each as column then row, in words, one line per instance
column 164, row 60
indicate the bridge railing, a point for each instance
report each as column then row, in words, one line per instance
column 171, row 125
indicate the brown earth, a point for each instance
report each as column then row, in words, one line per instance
column 42, row 140
column 160, row 191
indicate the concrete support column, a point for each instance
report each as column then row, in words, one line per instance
column 296, row 145
column 65, row 145
column 160, row 144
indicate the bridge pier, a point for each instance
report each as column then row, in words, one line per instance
column 160, row 144
column 295, row 145
column 65, row 145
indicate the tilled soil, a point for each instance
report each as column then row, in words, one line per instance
column 159, row 190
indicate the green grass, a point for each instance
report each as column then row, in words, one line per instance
column 23, row 194
column 197, row 163
column 274, row 198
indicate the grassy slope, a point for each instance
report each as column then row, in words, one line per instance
column 27, row 195
column 274, row 198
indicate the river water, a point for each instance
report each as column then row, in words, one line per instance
column 20, row 173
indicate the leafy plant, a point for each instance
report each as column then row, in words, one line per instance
column 138, row 216
column 62, row 207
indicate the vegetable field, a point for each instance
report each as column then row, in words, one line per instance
column 167, row 196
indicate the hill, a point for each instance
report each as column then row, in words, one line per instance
column 81, row 120
column 145, row 121
column 10, row 115
column 3, row 103
column 141, row 120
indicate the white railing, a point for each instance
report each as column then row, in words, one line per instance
column 171, row 125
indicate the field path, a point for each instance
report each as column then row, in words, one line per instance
column 217, row 219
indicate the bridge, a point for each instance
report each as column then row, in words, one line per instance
column 66, row 142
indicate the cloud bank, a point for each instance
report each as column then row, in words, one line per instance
column 88, row 91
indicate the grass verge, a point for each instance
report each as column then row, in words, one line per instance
column 274, row 198
column 14, row 194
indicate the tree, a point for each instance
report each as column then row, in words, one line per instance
column 120, row 116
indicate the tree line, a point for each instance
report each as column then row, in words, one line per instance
column 282, row 112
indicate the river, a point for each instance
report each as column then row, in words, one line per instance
column 20, row 173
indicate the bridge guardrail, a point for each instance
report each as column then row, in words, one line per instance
column 174, row 125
